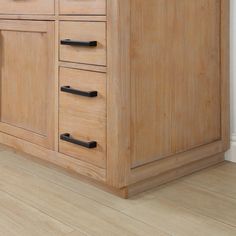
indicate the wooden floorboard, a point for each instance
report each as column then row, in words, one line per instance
column 177, row 220
column 17, row 218
column 220, row 179
column 73, row 209
column 48, row 201
column 200, row 200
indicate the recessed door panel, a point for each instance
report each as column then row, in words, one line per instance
column 26, row 80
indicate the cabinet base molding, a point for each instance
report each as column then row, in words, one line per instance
column 174, row 174
column 168, row 164
column 97, row 176
column 165, row 178
column 70, row 164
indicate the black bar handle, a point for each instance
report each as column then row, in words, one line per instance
column 79, row 43
column 68, row 89
column 68, row 138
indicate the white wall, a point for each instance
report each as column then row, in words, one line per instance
column 232, row 153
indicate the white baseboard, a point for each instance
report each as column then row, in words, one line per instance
column 231, row 154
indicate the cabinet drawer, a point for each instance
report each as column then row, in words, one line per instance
column 83, row 115
column 83, row 42
column 27, row 7
column 83, row 7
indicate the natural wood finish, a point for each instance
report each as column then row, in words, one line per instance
column 170, row 163
column 59, row 159
column 174, row 174
column 30, row 78
column 27, row 17
column 56, row 85
column 225, row 93
column 172, row 115
column 82, row 117
column 82, row 18
column 54, row 17
column 118, row 93
column 172, row 101
column 84, row 31
column 92, row 7
column 24, row 26
column 162, row 69
column 27, row 7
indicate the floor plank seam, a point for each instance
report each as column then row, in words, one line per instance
column 71, row 190
column 204, row 215
column 92, row 199
column 210, row 191
column 65, row 187
column 75, row 227
column 191, row 211
column 39, row 210
column 141, row 221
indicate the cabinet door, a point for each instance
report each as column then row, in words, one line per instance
column 175, row 77
column 27, row 80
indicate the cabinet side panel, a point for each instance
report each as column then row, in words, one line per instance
column 175, row 77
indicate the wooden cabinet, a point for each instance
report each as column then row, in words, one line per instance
column 27, row 7
column 129, row 93
column 168, row 89
column 27, row 80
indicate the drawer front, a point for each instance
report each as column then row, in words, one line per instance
column 82, row 115
column 83, row 42
column 83, row 7
column 27, row 7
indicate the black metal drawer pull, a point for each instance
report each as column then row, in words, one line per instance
column 68, row 89
column 79, row 43
column 68, row 138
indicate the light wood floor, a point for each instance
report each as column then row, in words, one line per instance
column 37, row 199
